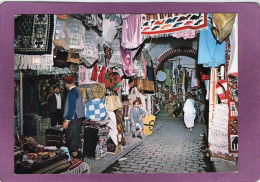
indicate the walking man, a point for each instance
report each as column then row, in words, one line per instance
column 73, row 114
column 201, row 109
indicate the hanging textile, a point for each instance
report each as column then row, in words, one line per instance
column 127, row 60
column 131, row 31
column 98, row 73
column 150, row 72
column 168, row 77
column 89, row 53
column 61, row 33
column 85, row 75
column 76, row 34
column 194, row 80
column 211, row 53
column 144, row 65
column 115, row 60
column 33, row 62
column 177, row 25
column 33, row 34
column 109, row 30
column 139, row 68
column 233, row 63
column 218, row 131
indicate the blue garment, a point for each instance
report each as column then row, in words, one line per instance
column 74, row 104
column 210, row 53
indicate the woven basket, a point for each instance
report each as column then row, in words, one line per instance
column 97, row 90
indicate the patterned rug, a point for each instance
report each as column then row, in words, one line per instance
column 159, row 25
column 33, row 34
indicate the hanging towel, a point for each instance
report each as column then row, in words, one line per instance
column 210, row 52
column 233, row 63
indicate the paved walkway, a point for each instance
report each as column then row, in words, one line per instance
column 170, row 150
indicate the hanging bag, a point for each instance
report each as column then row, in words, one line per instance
column 223, row 25
column 113, row 102
column 145, row 85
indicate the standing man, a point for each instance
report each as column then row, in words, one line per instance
column 55, row 105
column 73, row 114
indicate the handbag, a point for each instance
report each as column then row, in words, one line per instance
column 112, row 81
column 95, row 110
column 113, row 102
column 224, row 24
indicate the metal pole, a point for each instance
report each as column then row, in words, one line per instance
column 21, row 101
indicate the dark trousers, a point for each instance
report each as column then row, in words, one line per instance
column 56, row 117
column 72, row 134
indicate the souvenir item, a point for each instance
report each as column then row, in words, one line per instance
column 112, row 81
column 113, row 102
column 98, row 90
column 95, row 110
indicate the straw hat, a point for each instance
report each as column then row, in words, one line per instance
column 97, row 90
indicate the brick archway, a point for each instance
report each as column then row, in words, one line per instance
column 173, row 52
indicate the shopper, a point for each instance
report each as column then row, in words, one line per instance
column 73, row 114
column 136, row 118
column 189, row 114
column 55, row 104
column 201, row 111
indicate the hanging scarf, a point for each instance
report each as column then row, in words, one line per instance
column 127, row 60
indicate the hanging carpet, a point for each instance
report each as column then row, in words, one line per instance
column 33, row 34
column 156, row 25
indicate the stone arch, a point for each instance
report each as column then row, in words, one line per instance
column 177, row 51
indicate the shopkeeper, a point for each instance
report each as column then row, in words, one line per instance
column 55, row 105
column 73, row 114
column 136, row 117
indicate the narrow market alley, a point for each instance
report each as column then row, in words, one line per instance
column 172, row 149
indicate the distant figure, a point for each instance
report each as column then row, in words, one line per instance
column 189, row 114
column 201, row 111
column 235, row 143
column 55, row 103
column 136, row 118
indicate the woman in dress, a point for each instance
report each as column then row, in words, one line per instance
column 189, row 114
column 136, row 118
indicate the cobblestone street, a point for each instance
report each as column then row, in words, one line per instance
column 170, row 150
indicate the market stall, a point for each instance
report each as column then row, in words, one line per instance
column 155, row 59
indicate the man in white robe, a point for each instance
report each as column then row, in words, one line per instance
column 189, row 114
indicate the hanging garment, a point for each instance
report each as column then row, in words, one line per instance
column 90, row 141
column 233, row 63
column 144, row 65
column 76, row 33
column 89, row 53
column 168, row 77
column 127, row 60
column 125, row 88
column 131, row 31
column 189, row 113
column 210, row 53
column 98, row 73
column 194, row 80
column 150, row 72
column 61, row 33
column 109, row 30
column 139, row 70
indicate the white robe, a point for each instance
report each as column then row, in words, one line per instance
column 189, row 113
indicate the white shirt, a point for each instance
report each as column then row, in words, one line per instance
column 58, row 99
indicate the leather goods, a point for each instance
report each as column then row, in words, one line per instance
column 53, row 137
column 222, row 25
column 113, row 102
column 60, row 57
column 83, row 92
column 97, row 90
column 145, row 85
column 149, row 121
column 119, row 116
column 73, row 58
